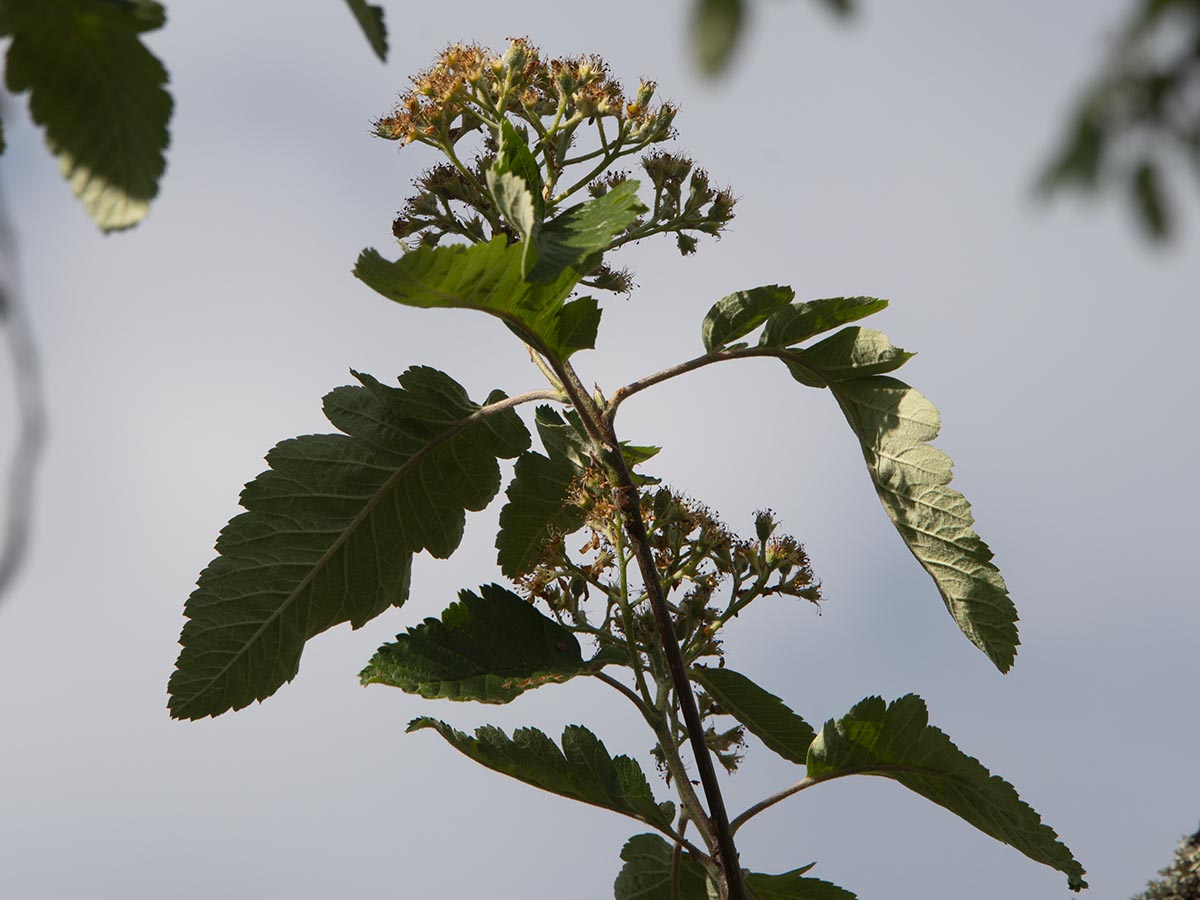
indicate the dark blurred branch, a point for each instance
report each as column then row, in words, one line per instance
column 31, row 418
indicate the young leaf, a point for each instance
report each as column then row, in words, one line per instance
column 515, row 158
column 646, row 875
column 582, row 770
column 797, row 323
column 370, row 20
column 894, row 424
column 575, row 238
column 490, row 649
column 764, row 714
column 100, row 95
column 331, row 528
column 739, row 314
column 537, row 505
column 897, row 742
column 488, row 277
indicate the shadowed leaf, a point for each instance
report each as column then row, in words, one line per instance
column 330, row 531
column 582, row 770
column 370, row 20
column 897, row 742
column 798, row 322
column 739, row 314
column 575, row 237
column 489, row 648
column 765, row 715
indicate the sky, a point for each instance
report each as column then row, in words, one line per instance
column 891, row 157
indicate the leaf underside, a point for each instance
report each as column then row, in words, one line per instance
column 330, row 531
column 764, row 714
column 646, row 875
column 100, row 95
column 490, row 647
column 894, row 424
column 897, row 742
column 582, row 770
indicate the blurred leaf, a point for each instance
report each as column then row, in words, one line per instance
column 99, row 94
column 765, row 715
column 489, row 648
column 716, row 31
column 330, row 531
column 488, row 277
column 897, row 742
column 794, row 324
column 582, row 770
column 1149, row 200
column 646, row 875
column 370, row 20
column 2, row 144
column 537, row 506
column 739, row 314
column 839, row 7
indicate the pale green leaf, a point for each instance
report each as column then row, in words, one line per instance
column 576, row 238
column 897, row 742
column 894, row 424
column 716, row 31
column 517, row 159
column 331, row 528
column 100, row 95
column 797, row 323
column 581, row 770
column 764, row 715
column 853, row 352
column 370, row 20
column 538, row 507
column 646, row 875
column 739, row 314
column 488, row 277
column 489, row 648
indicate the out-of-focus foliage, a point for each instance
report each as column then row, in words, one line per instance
column 716, row 29
column 1140, row 117
column 1181, row 879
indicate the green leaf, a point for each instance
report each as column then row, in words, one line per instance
column 488, row 277
column 538, row 506
column 716, row 30
column 897, row 742
column 582, row 770
column 370, row 20
column 894, row 424
column 2, row 144
column 765, row 715
column 797, row 323
column 489, row 648
column 331, row 528
column 1150, row 201
column 853, row 352
column 515, row 158
column 99, row 94
column 839, row 7
column 646, row 875
column 576, row 238
column 739, row 314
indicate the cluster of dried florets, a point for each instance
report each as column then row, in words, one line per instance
column 571, row 113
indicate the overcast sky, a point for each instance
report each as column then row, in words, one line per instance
column 893, row 158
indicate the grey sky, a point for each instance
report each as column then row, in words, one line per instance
column 892, row 158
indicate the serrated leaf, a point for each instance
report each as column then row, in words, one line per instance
column 716, row 30
column 516, row 158
column 330, row 531
column 489, row 648
column 370, row 20
column 797, row 323
column 538, row 506
column 765, row 715
column 897, row 742
column 576, row 238
column 740, row 313
column 100, row 95
column 853, row 352
column 894, row 425
column 582, row 770
column 487, row 277
column 646, row 875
